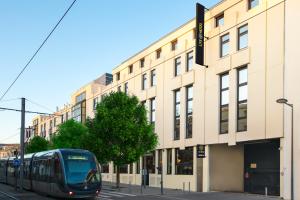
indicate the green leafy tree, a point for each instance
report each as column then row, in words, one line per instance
column 120, row 131
column 37, row 144
column 69, row 135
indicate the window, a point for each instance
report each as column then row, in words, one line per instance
column 119, row 88
column 105, row 168
column 177, row 114
column 152, row 111
column 54, row 120
column 67, row 116
column 160, row 155
column 174, row 45
column 80, row 97
column 142, row 62
column 177, row 64
column 220, row 20
column 95, row 102
column 243, row 37
column 158, row 53
column 252, row 3
column 126, row 88
column 131, row 168
column 224, row 102
column 184, row 161
column 242, row 99
column 169, row 161
column 144, row 81
column 130, row 69
column 194, row 33
column 153, row 77
column 138, row 166
column 123, row 169
column 118, row 76
column 224, row 45
column 189, row 112
column 189, row 61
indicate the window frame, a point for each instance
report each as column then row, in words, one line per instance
column 250, row 5
column 217, row 20
column 187, row 113
column 175, row 117
column 144, row 81
column 240, row 35
column 158, row 53
column 174, row 45
column 152, row 110
column 118, row 76
column 222, row 106
column 177, row 64
column 169, row 161
column 223, row 43
column 142, row 62
column 130, row 69
column 189, row 56
column 242, row 101
column 153, row 77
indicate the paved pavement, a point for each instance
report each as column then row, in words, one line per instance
column 130, row 192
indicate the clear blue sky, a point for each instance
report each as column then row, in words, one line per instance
column 95, row 37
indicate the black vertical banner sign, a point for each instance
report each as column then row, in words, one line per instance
column 200, row 10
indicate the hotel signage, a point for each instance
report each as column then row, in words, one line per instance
column 200, row 151
column 200, row 10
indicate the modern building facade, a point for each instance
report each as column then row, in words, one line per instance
column 228, row 108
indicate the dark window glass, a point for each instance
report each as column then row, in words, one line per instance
column 189, row 112
column 177, row 64
column 118, row 76
column 95, row 103
column 220, row 20
column 174, row 45
column 177, row 115
column 130, row 69
column 160, row 164
column 153, row 77
column 126, row 88
column 189, row 61
column 242, row 99
column 142, row 62
column 158, row 53
column 144, row 81
column 138, row 167
column 131, row 168
column 224, row 102
column 119, row 88
column 105, row 168
column 252, row 3
column 224, row 45
column 243, row 37
column 124, row 169
column 169, row 161
column 184, row 161
column 152, row 110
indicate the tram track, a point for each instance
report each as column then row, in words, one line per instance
column 5, row 196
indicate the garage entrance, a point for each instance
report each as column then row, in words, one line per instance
column 262, row 167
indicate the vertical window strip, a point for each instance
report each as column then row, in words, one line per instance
column 189, row 111
column 177, row 114
column 224, row 102
column 242, row 99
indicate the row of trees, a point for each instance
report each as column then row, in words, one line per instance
column 119, row 132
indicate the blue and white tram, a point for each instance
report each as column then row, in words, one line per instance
column 65, row 173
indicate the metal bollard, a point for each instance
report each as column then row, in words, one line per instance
column 266, row 191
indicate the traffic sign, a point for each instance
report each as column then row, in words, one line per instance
column 16, row 163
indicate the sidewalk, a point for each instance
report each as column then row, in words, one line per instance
column 137, row 190
column 25, row 195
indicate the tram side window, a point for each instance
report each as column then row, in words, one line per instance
column 57, row 170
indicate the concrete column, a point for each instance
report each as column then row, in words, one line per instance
column 285, row 165
column 206, row 175
column 173, row 161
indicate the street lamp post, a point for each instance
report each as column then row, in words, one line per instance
column 285, row 101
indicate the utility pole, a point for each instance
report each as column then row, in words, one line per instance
column 22, row 142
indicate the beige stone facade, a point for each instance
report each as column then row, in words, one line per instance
column 252, row 47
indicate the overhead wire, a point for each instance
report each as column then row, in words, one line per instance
column 36, row 52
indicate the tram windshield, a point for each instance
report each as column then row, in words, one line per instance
column 78, row 166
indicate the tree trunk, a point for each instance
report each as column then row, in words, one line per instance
column 118, row 177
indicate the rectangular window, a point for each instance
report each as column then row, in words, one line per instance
column 144, row 81
column 152, row 110
column 177, row 114
column 131, row 168
column 130, row 69
column 252, row 3
column 142, row 62
column 126, row 88
column 189, row 61
column 169, row 161
column 80, row 97
column 153, row 77
column 220, row 20
column 243, row 37
column 224, row 102
column 138, row 167
column 124, row 169
column 118, row 76
column 119, row 88
column 224, row 45
column 95, row 102
column 177, row 64
column 158, row 53
column 160, row 165
column 105, row 168
column 174, row 45
column 242, row 99
column 189, row 112
column 184, row 161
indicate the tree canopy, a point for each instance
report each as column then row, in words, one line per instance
column 70, row 134
column 37, row 144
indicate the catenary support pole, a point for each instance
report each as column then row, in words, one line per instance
column 22, row 142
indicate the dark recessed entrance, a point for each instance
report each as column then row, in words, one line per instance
column 262, row 167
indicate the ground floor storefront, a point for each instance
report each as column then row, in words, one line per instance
column 252, row 167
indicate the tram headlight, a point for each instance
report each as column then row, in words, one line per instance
column 71, row 193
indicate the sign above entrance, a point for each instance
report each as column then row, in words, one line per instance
column 200, row 151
